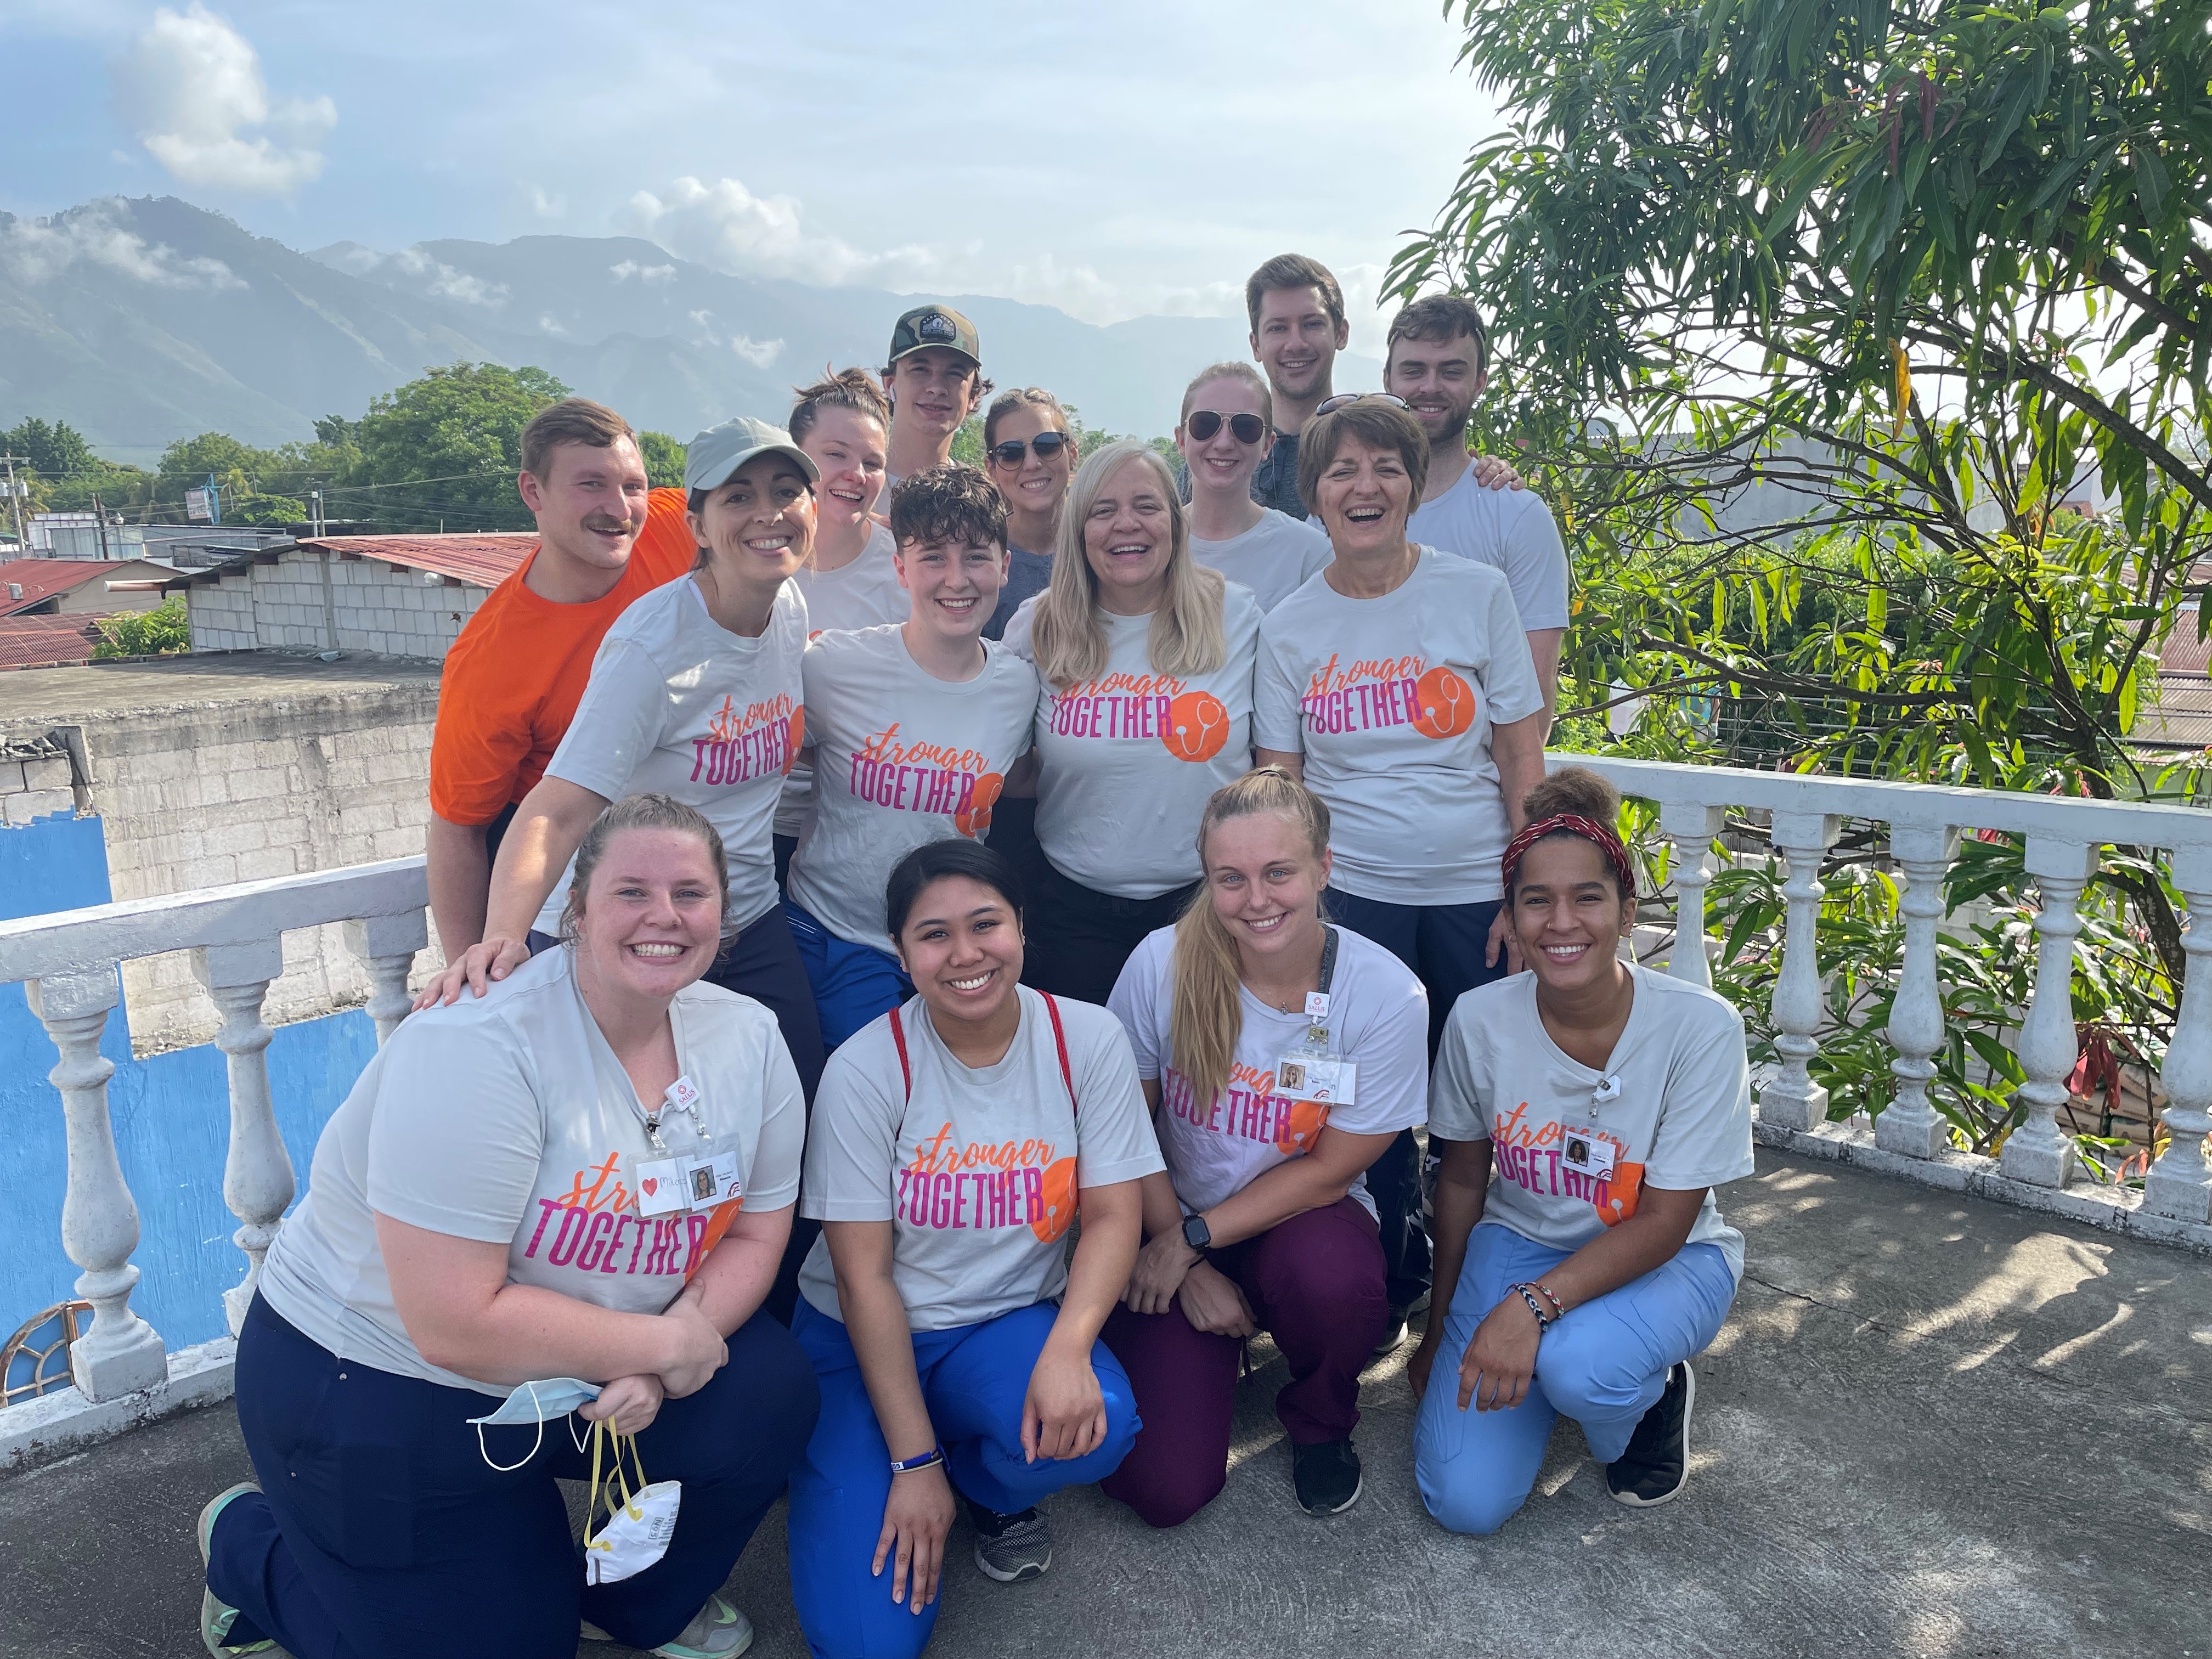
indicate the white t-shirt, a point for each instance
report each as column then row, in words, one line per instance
column 679, row 704
column 1378, row 1018
column 1275, row 558
column 978, row 1168
column 1127, row 760
column 1511, row 530
column 507, row 1120
column 865, row 593
column 1391, row 701
column 900, row 757
column 1682, row 1118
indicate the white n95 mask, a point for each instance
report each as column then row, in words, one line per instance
column 641, row 1518
column 535, row 1402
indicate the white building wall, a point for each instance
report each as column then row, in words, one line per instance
column 286, row 605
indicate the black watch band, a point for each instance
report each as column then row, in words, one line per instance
column 1197, row 1234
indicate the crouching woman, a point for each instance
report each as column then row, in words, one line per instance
column 1584, row 1112
column 584, row 1177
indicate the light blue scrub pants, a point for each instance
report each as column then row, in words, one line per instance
column 1603, row 1365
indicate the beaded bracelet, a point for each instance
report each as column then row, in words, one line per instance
column 1558, row 1307
column 1528, row 1294
column 927, row 1460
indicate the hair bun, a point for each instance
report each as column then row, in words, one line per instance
column 1574, row 789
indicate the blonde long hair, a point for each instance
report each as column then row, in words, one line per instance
column 1068, row 637
column 1207, row 1013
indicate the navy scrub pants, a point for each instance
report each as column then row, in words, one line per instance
column 381, row 1533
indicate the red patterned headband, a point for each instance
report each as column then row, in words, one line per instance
column 1599, row 836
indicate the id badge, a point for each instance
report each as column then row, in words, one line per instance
column 710, row 1181
column 1586, row 1154
column 1324, row 1079
column 661, row 1187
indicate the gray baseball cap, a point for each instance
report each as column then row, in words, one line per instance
column 716, row 454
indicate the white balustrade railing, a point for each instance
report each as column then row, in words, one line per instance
column 69, row 963
column 2064, row 837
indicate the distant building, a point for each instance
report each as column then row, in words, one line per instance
column 190, row 546
column 80, row 587
column 46, row 642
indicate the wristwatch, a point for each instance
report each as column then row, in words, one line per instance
column 1197, row 1234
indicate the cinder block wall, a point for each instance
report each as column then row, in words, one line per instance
column 308, row 600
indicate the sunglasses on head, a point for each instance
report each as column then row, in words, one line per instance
column 1205, row 422
column 1008, row 452
column 1338, row 402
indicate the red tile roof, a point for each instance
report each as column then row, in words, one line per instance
column 41, row 579
column 46, row 642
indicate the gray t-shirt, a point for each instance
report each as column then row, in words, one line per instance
column 977, row 1169
column 1391, row 700
column 1681, row 1119
column 1027, row 574
column 865, row 593
column 1510, row 529
column 1378, row 1018
column 1126, row 761
column 507, row 1120
column 900, row 757
column 679, row 704
column 1275, row 480
column 1275, row 558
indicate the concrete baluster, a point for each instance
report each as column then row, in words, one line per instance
column 257, row 1180
column 100, row 1219
column 2180, row 1185
column 387, row 945
column 2036, row 1153
column 1910, row 1124
column 1791, row 1097
column 1690, row 829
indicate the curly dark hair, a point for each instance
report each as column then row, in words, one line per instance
column 949, row 503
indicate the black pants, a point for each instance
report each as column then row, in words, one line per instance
column 1078, row 940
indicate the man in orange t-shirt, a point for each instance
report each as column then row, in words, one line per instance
column 514, row 677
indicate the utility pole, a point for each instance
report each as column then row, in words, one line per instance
column 100, row 523
column 315, row 513
column 14, row 501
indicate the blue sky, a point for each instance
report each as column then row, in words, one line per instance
column 1114, row 159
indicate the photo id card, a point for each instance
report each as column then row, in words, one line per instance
column 1586, row 1155
column 661, row 1187
column 710, row 1181
column 1325, row 1079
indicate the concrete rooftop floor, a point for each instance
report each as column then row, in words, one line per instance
column 1934, row 1426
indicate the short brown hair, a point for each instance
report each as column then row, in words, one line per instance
column 846, row 388
column 571, row 420
column 949, row 503
column 1378, row 422
column 1440, row 317
column 1294, row 271
column 1007, row 402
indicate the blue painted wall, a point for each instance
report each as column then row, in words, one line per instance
column 172, row 1116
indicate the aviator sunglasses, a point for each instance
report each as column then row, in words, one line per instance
column 1329, row 404
column 1246, row 429
column 1008, row 452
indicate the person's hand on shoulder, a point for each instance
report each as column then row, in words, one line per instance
column 1492, row 473
column 480, row 967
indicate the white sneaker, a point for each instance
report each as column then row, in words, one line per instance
column 717, row 1630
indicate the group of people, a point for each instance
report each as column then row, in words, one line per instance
column 939, row 959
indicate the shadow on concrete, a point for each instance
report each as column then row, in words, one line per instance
column 1933, row 1426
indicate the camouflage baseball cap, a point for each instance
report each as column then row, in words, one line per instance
column 935, row 326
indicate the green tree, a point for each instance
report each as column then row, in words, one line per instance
column 159, row 632
column 249, row 481
column 54, row 448
column 664, row 459
column 444, row 449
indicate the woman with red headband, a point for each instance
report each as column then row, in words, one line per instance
column 1584, row 1113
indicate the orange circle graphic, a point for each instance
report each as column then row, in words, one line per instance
column 1447, row 704
column 1197, row 727
column 1059, row 1202
column 797, row 735
column 976, row 818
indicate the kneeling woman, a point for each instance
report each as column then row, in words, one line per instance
column 954, row 1342
column 1263, row 1218
column 476, row 1220
column 1584, row 1112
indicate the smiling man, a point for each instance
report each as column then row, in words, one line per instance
column 514, row 678
column 934, row 381
column 1298, row 326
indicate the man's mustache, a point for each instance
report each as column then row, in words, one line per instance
column 613, row 526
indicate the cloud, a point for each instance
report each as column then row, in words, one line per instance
column 630, row 267
column 192, row 88
column 447, row 283
column 546, row 205
column 759, row 353
column 39, row 250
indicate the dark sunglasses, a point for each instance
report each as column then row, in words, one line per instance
column 1008, row 452
column 1205, row 422
column 1327, row 404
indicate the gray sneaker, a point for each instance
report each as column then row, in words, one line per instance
column 717, row 1630
column 217, row 1616
column 1011, row 1547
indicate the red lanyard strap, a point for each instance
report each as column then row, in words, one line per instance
column 1059, row 1042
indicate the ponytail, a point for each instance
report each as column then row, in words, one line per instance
column 1206, row 1018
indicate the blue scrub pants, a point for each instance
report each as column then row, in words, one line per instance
column 854, row 985
column 974, row 1380
column 1603, row 1365
column 381, row 1533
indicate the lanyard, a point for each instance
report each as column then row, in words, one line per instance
column 1318, row 1001
column 683, row 1095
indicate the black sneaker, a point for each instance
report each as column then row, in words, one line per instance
column 1394, row 1332
column 1657, row 1465
column 1011, row 1547
column 1325, row 1476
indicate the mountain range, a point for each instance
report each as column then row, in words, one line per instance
column 139, row 322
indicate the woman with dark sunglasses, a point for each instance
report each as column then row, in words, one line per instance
column 1227, row 428
column 1030, row 454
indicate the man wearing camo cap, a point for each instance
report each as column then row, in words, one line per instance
column 934, row 380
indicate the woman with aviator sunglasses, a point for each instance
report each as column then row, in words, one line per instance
column 1227, row 429
column 1029, row 453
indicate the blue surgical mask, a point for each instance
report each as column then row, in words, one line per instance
column 534, row 1403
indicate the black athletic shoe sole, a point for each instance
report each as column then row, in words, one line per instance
column 1689, row 1405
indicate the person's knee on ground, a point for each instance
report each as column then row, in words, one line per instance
column 1169, row 1495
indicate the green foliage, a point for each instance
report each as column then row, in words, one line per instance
column 664, row 459
column 54, row 448
column 146, row 633
column 453, row 441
